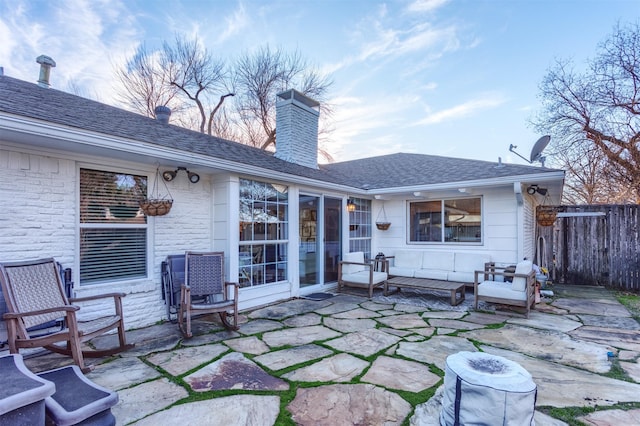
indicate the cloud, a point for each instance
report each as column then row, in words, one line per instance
column 426, row 5
column 361, row 124
column 86, row 39
column 463, row 110
column 235, row 23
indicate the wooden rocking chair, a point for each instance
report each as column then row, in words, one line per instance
column 205, row 291
column 35, row 295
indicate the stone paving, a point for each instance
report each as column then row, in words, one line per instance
column 348, row 360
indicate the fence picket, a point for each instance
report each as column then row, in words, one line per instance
column 595, row 250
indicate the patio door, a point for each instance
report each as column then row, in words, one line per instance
column 320, row 240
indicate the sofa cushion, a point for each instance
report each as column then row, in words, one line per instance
column 442, row 260
column 461, row 277
column 432, row 274
column 356, row 256
column 500, row 290
column 520, row 283
column 408, row 259
column 470, row 262
column 401, row 272
column 362, row 277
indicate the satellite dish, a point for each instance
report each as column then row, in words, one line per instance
column 538, row 147
column 536, row 151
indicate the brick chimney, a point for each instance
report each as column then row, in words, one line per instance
column 297, row 128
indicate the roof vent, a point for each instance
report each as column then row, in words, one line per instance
column 46, row 63
column 162, row 114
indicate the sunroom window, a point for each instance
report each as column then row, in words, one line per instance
column 456, row 220
column 263, row 233
column 360, row 227
column 113, row 229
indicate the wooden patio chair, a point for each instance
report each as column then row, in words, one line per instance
column 34, row 295
column 354, row 271
column 205, row 291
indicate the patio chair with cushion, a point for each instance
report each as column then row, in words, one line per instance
column 492, row 285
column 35, row 295
column 354, row 271
column 205, row 291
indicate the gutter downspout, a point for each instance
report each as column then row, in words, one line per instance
column 517, row 189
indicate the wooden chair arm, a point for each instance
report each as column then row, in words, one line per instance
column 529, row 277
column 16, row 315
column 235, row 286
column 346, row 262
column 97, row 297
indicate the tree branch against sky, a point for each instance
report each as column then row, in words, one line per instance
column 184, row 75
column 598, row 111
column 260, row 76
column 197, row 74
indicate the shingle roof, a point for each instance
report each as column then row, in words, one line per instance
column 403, row 169
column 390, row 171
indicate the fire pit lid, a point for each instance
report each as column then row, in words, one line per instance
column 483, row 369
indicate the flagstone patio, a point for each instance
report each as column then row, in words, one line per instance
column 350, row 360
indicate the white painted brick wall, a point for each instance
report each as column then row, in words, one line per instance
column 296, row 133
column 38, row 219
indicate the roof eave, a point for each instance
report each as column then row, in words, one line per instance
column 83, row 141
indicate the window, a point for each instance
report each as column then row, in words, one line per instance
column 449, row 221
column 360, row 227
column 263, row 233
column 113, row 229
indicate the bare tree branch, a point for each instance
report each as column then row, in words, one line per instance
column 260, row 76
column 184, row 76
column 598, row 112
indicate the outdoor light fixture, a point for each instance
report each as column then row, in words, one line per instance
column 534, row 188
column 170, row 175
column 351, row 206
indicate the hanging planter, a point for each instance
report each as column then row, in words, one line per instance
column 381, row 222
column 157, row 204
column 546, row 214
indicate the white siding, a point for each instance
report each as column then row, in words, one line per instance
column 529, row 226
column 499, row 225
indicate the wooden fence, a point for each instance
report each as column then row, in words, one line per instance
column 593, row 245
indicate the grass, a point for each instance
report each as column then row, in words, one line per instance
column 570, row 414
column 631, row 301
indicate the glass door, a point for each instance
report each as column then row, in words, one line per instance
column 332, row 233
column 308, row 250
column 320, row 247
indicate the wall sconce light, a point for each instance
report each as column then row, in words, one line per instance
column 170, row 175
column 351, row 206
column 534, row 188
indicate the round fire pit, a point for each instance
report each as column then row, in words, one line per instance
column 480, row 388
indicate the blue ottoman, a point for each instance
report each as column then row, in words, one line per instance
column 22, row 393
column 77, row 400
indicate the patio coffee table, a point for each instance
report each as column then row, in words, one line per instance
column 426, row 284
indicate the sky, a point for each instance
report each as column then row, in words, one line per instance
column 455, row 78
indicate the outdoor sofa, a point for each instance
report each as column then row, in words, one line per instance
column 437, row 265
